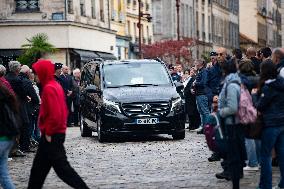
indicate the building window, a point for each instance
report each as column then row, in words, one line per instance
column 93, row 2
column 70, row 6
column 134, row 4
column 102, row 12
column 82, row 8
column 128, row 3
column 27, row 5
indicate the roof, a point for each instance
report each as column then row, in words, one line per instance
column 132, row 61
column 246, row 39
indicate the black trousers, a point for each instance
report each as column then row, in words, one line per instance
column 76, row 114
column 236, row 153
column 69, row 106
column 53, row 155
column 25, row 136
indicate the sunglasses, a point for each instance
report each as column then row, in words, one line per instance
column 219, row 54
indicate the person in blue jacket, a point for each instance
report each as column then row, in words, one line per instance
column 270, row 103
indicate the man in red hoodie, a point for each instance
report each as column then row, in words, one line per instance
column 52, row 123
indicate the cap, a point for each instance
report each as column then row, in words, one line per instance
column 213, row 53
column 58, row 66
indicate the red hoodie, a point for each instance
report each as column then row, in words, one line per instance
column 53, row 110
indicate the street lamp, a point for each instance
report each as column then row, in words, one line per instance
column 141, row 15
column 178, row 5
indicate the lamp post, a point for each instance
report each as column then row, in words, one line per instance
column 177, row 5
column 140, row 16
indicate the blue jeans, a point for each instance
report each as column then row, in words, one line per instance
column 271, row 137
column 203, row 108
column 253, row 148
column 35, row 132
column 5, row 180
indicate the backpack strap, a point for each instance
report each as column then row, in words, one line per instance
column 236, row 82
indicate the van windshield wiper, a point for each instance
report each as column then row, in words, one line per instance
column 140, row 85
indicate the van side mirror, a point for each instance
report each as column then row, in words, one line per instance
column 91, row 89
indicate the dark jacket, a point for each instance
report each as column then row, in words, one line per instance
column 271, row 102
column 176, row 77
column 201, row 80
column 67, row 83
column 59, row 80
column 190, row 100
column 214, row 79
column 17, row 86
column 256, row 63
column 8, row 112
column 76, row 91
column 33, row 105
column 21, row 94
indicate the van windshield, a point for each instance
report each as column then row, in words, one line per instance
column 135, row 74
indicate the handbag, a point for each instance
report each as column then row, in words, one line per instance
column 254, row 130
column 215, row 138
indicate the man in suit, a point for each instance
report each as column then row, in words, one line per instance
column 67, row 85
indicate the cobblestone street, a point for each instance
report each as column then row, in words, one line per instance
column 155, row 162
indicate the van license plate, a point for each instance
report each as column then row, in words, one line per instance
column 147, row 121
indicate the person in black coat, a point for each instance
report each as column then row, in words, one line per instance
column 68, row 86
column 190, row 102
column 21, row 96
column 58, row 69
column 29, row 105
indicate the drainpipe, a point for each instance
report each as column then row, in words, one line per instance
column 108, row 8
column 65, row 10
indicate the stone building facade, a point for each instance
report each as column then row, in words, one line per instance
column 225, row 24
column 79, row 29
column 118, row 23
column 263, row 18
column 131, row 25
column 165, row 19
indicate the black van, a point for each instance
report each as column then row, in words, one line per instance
column 130, row 97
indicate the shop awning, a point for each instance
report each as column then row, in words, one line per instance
column 86, row 55
column 106, row 56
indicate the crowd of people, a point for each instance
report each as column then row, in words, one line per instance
column 35, row 111
column 35, row 104
column 215, row 87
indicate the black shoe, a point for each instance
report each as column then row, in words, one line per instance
column 18, row 153
column 275, row 162
column 223, row 175
column 214, row 157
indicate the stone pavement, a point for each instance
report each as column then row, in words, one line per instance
column 152, row 162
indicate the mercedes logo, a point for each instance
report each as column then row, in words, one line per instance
column 146, row 108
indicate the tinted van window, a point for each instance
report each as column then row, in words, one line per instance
column 116, row 75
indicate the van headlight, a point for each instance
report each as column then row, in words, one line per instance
column 176, row 105
column 111, row 106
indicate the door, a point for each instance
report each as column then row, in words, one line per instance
column 91, row 97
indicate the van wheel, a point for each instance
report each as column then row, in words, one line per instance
column 179, row 135
column 85, row 130
column 102, row 136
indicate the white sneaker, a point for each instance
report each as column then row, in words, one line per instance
column 10, row 159
column 248, row 168
column 197, row 130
